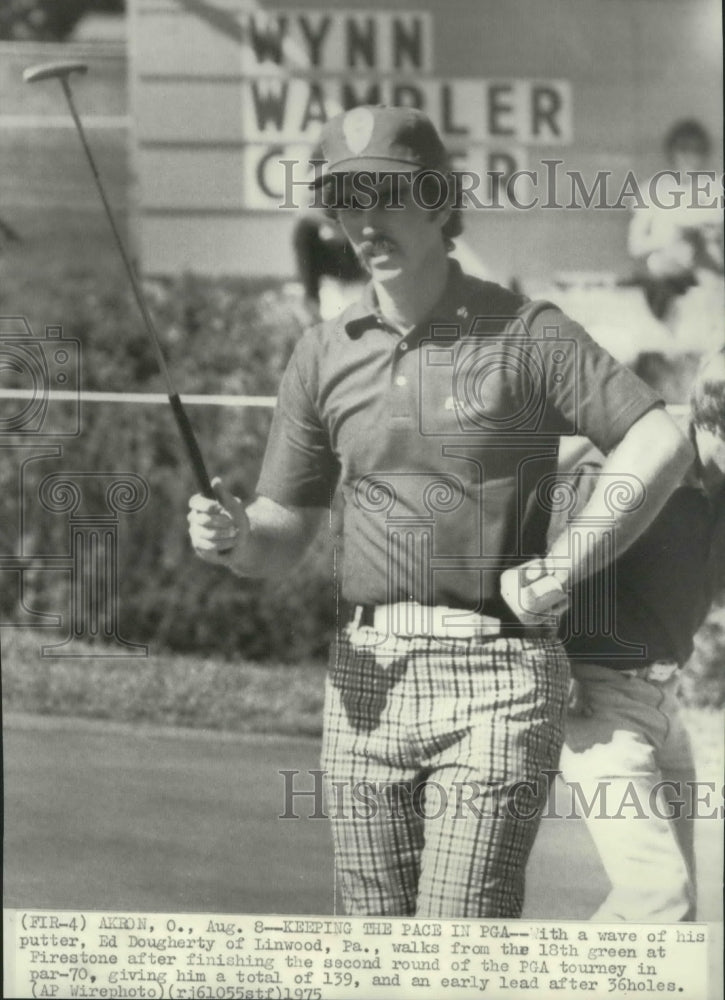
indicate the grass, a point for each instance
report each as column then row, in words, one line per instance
column 164, row 689
column 209, row 693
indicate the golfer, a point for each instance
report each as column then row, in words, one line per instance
column 435, row 406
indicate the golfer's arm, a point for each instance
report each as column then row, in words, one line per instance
column 275, row 539
column 649, row 462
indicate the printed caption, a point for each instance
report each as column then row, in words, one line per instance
column 95, row 954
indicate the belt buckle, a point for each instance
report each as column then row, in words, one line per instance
column 411, row 618
column 476, row 627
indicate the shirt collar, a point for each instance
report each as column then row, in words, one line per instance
column 451, row 305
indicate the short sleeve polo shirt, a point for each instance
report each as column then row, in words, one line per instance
column 442, row 441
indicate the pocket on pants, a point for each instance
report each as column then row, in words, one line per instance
column 364, row 676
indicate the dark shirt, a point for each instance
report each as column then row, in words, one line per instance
column 439, row 439
column 651, row 602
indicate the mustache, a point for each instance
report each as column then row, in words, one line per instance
column 376, row 245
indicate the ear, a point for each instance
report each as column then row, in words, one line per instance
column 443, row 215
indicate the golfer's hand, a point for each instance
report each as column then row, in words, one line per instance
column 533, row 596
column 217, row 528
column 578, row 703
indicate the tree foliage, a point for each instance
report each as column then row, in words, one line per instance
column 218, row 337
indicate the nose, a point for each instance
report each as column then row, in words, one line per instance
column 371, row 220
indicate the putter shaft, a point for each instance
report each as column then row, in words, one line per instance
column 61, row 71
column 135, row 284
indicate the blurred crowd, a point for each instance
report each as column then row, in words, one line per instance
column 677, row 245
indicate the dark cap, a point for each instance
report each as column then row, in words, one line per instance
column 378, row 138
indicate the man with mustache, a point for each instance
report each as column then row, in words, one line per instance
column 435, row 406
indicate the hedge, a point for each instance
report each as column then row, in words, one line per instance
column 219, row 336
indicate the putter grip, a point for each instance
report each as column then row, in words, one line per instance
column 192, row 446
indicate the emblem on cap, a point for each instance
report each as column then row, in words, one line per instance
column 357, row 127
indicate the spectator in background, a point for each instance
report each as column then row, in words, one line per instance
column 624, row 733
column 329, row 270
column 332, row 275
column 679, row 243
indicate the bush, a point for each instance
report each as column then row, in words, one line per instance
column 220, row 337
column 48, row 20
column 171, row 689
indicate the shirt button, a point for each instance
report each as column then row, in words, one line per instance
column 401, row 380
column 403, row 346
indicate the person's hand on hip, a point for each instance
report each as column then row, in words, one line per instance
column 534, row 594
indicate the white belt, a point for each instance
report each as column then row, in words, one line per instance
column 409, row 618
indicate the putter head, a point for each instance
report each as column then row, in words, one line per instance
column 53, row 71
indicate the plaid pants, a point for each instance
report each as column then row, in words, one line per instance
column 427, row 747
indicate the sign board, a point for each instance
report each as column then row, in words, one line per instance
column 225, row 94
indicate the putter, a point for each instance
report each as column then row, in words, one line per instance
column 61, row 71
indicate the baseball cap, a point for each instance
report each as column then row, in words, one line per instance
column 380, row 138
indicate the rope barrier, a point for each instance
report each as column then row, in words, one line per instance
column 157, row 398
column 153, row 398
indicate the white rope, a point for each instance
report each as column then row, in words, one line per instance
column 43, row 122
column 85, row 396
column 155, row 398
